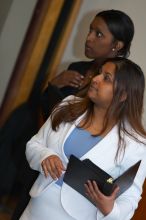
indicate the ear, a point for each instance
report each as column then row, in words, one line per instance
column 119, row 45
column 124, row 97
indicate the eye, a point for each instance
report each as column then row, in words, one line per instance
column 107, row 78
column 99, row 34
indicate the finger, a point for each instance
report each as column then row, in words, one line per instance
column 96, row 188
column 90, row 187
column 61, row 165
column 57, row 167
column 52, row 173
column 72, row 84
column 87, row 188
column 45, row 169
column 48, row 169
column 58, row 170
column 114, row 193
column 76, row 74
column 54, row 168
column 88, row 192
column 77, row 81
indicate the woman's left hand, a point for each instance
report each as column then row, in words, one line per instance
column 104, row 203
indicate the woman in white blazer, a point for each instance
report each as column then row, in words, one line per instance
column 105, row 127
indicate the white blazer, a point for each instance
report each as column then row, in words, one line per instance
column 48, row 142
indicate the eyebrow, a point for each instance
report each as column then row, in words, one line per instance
column 108, row 73
column 92, row 27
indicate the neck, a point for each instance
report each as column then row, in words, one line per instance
column 98, row 121
column 98, row 118
column 98, row 62
column 99, row 115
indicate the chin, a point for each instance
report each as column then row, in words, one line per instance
column 88, row 55
column 90, row 95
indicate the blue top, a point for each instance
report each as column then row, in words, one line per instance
column 78, row 143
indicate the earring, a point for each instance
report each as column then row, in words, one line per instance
column 113, row 49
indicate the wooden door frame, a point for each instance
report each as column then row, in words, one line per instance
column 33, row 50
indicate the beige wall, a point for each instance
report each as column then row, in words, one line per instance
column 13, row 28
column 4, row 10
column 136, row 10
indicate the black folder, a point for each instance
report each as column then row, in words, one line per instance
column 78, row 172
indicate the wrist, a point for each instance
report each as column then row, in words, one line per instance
column 106, row 211
column 55, row 82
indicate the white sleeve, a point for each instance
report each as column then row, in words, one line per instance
column 38, row 148
column 126, row 204
column 41, row 145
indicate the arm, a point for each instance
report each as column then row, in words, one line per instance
column 42, row 158
column 43, row 150
column 66, row 83
column 68, row 77
column 60, row 87
column 41, row 146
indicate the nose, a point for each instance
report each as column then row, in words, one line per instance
column 96, row 79
column 91, row 36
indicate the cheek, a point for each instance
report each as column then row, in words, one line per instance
column 109, row 94
column 103, row 46
column 92, row 93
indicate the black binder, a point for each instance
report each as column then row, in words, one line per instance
column 78, row 172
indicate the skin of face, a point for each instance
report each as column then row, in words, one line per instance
column 101, row 89
column 99, row 42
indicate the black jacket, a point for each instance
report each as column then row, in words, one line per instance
column 52, row 94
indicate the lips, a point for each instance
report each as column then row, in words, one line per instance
column 88, row 48
column 93, row 87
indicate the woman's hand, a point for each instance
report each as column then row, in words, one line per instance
column 52, row 165
column 68, row 78
column 104, row 203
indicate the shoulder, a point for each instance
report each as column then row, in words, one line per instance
column 82, row 62
column 71, row 99
column 137, row 136
column 66, row 101
column 136, row 143
column 81, row 65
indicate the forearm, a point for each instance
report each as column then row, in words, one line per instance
column 122, row 210
column 39, row 147
column 126, row 204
